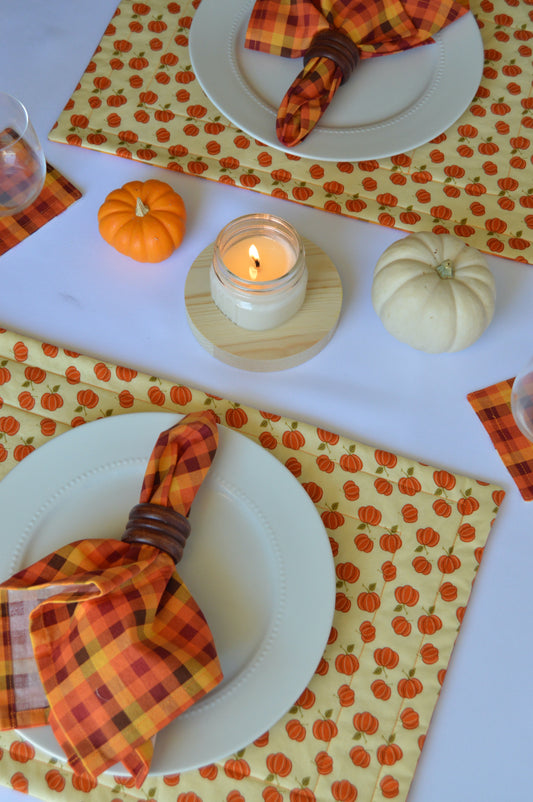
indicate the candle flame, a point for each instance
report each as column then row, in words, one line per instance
column 255, row 263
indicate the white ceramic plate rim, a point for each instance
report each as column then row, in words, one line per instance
column 298, row 625
column 390, row 105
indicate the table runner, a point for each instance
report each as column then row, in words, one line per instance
column 407, row 540
column 56, row 196
column 138, row 98
column 492, row 405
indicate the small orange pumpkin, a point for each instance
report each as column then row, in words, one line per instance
column 143, row 220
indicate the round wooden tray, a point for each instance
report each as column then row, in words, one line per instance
column 294, row 342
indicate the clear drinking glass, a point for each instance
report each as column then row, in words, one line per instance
column 22, row 162
column 522, row 400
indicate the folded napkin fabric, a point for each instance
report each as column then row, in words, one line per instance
column 101, row 639
column 492, row 405
column 332, row 35
column 57, row 194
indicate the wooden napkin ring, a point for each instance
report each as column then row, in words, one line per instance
column 158, row 526
column 338, row 47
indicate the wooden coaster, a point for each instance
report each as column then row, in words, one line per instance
column 294, row 342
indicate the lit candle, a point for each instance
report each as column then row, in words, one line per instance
column 255, row 262
column 260, row 258
column 258, row 277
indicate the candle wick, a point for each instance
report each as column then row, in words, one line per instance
column 255, row 264
column 254, row 267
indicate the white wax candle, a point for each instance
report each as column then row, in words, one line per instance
column 258, row 276
column 275, row 257
column 259, row 311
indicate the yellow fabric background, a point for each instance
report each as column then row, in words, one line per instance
column 138, row 98
column 407, row 540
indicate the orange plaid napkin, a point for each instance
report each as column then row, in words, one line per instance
column 492, row 405
column 362, row 29
column 56, row 195
column 101, row 639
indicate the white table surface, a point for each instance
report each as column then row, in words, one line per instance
column 65, row 285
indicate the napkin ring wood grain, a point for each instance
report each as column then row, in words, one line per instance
column 338, row 47
column 158, row 526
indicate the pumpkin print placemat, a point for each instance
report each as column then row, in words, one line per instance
column 407, row 541
column 492, row 405
column 138, row 98
column 57, row 195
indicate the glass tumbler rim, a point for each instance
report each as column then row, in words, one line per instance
column 21, row 108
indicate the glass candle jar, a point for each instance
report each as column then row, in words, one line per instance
column 258, row 277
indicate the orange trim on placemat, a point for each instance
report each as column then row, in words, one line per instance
column 56, row 196
column 492, row 405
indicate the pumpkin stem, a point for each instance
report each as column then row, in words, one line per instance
column 141, row 209
column 445, row 269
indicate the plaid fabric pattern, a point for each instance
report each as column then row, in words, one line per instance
column 56, row 195
column 18, row 177
column 492, row 405
column 307, row 100
column 179, row 462
column 120, row 645
column 378, row 28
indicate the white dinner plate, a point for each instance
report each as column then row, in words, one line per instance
column 258, row 562
column 390, row 104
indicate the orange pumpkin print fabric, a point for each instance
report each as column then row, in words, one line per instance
column 406, row 539
column 139, row 98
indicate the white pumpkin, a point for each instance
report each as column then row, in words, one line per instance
column 433, row 292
